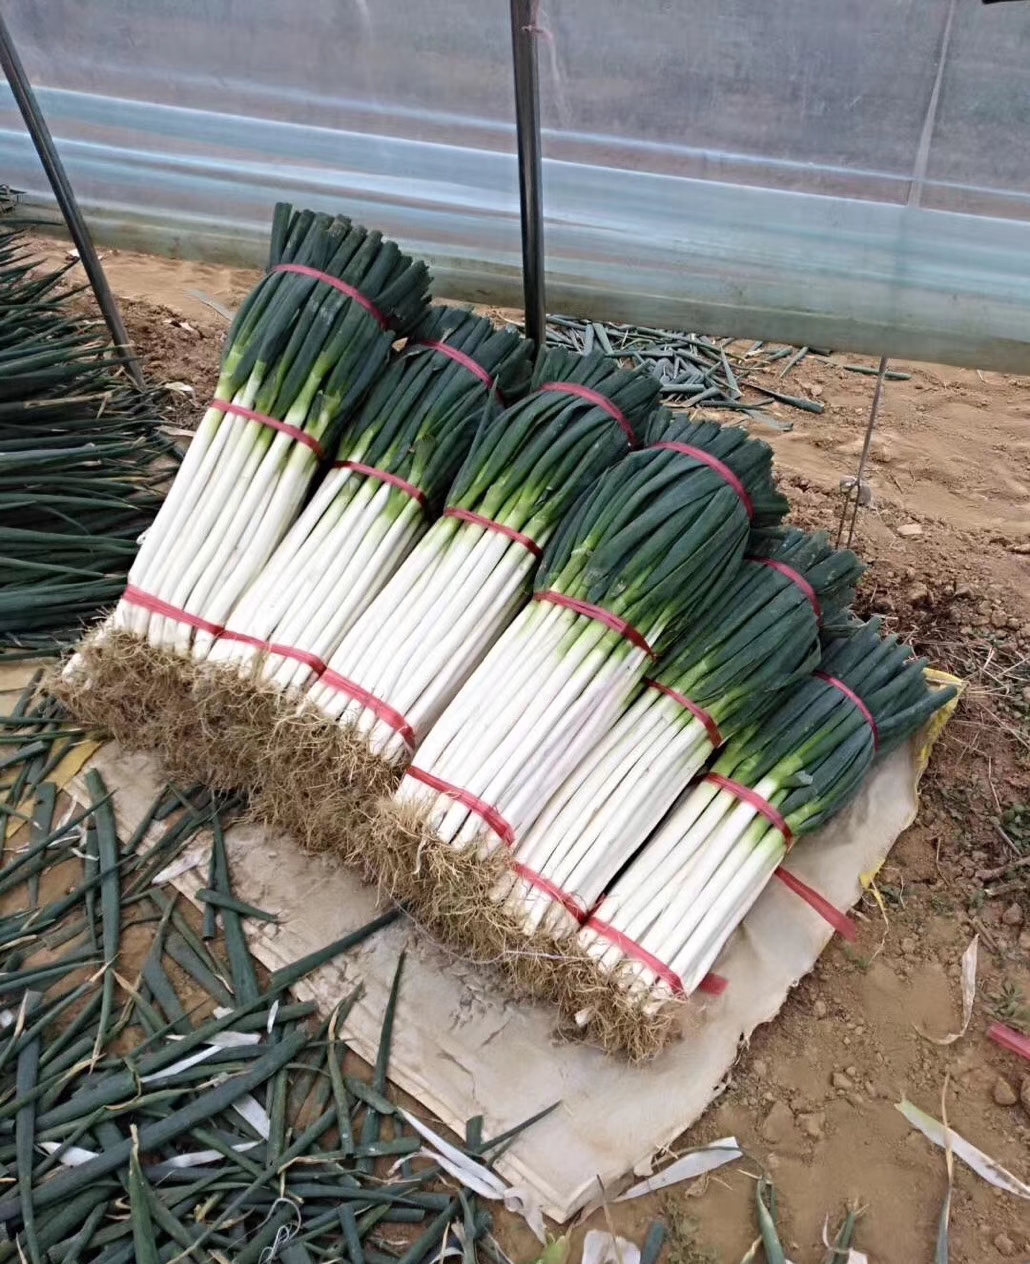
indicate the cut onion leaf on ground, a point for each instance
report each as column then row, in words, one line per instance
column 982, row 1164
column 103, row 1098
column 404, row 658
column 694, row 1163
column 304, row 348
column 665, row 919
column 82, row 460
column 391, row 471
column 714, row 676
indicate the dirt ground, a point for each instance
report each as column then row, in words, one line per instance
column 947, row 542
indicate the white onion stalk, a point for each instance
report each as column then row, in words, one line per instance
column 606, row 808
column 329, row 566
column 550, row 690
column 425, row 632
column 552, row 683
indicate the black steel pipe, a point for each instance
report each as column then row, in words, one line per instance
column 527, row 129
column 12, row 67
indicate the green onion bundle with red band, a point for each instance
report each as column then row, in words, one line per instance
column 598, row 613
column 685, row 892
column 433, row 622
column 351, row 291
column 489, row 524
column 714, row 675
column 654, row 538
column 384, row 476
column 284, row 427
column 796, row 578
column 391, row 471
column 459, row 357
column 303, row 350
column 599, row 401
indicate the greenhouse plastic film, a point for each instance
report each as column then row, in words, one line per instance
column 814, row 173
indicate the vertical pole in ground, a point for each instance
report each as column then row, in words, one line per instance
column 527, row 127
column 12, row 67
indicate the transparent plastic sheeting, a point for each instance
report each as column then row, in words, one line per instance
column 812, row 171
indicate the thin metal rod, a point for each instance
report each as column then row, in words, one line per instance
column 874, row 410
column 59, row 182
column 527, row 128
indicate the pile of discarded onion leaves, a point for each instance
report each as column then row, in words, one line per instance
column 134, row 1126
column 83, row 463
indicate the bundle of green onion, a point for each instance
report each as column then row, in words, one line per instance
column 715, row 676
column 392, row 468
column 82, row 460
column 413, row 647
column 303, row 350
column 653, row 542
column 665, row 920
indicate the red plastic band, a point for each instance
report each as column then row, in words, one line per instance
column 630, row 948
column 380, row 709
column 384, row 476
column 137, row 597
column 1009, row 1039
column 795, row 578
column 762, row 806
column 459, row 357
column 713, row 984
column 713, row 462
column 466, row 515
column 599, row 400
column 272, row 647
column 599, row 614
column 850, row 694
column 301, row 436
column 337, row 284
column 489, row 814
column 840, row 922
column 551, row 889
column 698, row 712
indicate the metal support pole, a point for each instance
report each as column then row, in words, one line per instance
column 56, row 174
column 527, row 128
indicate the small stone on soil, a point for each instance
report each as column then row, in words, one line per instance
column 812, row 1125
column 840, row 1080
column 1013, row 915
column 919, row 595
column 819, row 1009
column 1003, row 1092
column 909, row 530
column 1004, row 1245
column 778, row 1123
